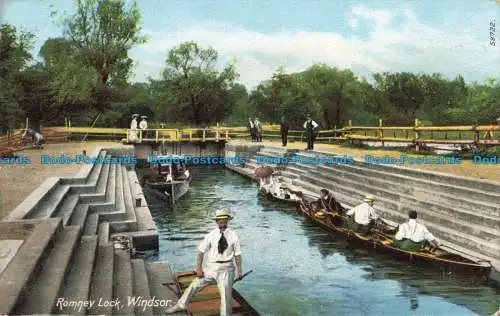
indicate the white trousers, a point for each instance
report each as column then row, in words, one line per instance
column 221, row 274
column 132, row 135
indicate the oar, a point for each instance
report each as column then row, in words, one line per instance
column 244, row 275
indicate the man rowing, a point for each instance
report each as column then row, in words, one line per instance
column 223, row 247
column 412, row 235
column 362, row 217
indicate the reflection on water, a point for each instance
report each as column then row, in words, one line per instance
column 299, row 269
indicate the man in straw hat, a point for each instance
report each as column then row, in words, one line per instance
column 363, row 216
column 222, row 246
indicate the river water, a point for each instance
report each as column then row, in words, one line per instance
column 300, row 269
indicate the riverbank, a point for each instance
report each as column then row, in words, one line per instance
column 19, row 180
column 467, row 168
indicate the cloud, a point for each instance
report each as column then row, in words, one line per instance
column 410, row 46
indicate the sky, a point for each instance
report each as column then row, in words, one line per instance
column 447, row 36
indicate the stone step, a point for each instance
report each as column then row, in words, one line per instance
column 130, row 221
column 86, row 173
column 103, row 233
column 390, row 210
column 398, row 186
column 144, row 218
column 122, row 282
column 94, row 182
column 406, row 204
column 50, row 202
column 42, row 294
column 67, row 207
column 77, row 284
column 102, row 186
column 442, row 178
column 448, row 189
column 118, row 213
column 101, row 287
column 141, row 287
column 91, row 225
column 158, row 273
column 79, row 215
column 426, row 202
column 27, row 263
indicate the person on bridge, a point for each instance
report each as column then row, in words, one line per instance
column 133, row 128
column 284, row 130
column 143, row 125
column 310, row 126
column 251, row 128
column 412, row 235
column 258, row 129
column 222, row 246
column 363, row 217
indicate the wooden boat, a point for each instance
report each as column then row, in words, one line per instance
column 276, row 198
column 155, row 180
column 207, row 301
column 381, row 240
column 168, row 191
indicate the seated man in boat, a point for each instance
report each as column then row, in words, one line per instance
column 362, row 217
column 222, row 247
column 327, row 203
column 412, row 235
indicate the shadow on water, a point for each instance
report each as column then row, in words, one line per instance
column 299, row 268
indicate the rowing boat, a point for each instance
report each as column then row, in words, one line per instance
column 381, row 241
column 207, row 301
column 273, row 197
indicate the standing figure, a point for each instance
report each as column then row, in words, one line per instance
column 223, row 247
column 251, row 128
column 258, row 129
column 310, row 127
column 284, row 130
column 143, row 125
column 133, row 128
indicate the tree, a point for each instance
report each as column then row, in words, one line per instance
column 14, row 56
column 104, row 31
column 197, row 92
column 405, row 93
column 72, row 82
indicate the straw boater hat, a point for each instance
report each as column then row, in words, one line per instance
column 222, row 214
column 135, row 115
column 369, row 198
column 144, row 116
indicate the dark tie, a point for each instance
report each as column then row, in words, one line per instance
column 222, row 243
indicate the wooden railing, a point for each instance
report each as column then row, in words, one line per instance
column 466, row 134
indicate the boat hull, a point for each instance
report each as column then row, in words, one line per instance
column 175, row 190
column 207, row 301
column 447, row 263
column 272, row 197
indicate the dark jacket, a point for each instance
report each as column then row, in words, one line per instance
column 284, row 127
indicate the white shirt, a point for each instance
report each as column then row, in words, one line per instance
column 143, row 124
column 133, row 124
column 210, row 244
column 363, row 213
column 251, row 124
column 313, row 123
column 414, row 231
column 186, row 173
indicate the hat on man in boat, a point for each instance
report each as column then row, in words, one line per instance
column 370, row 198
column 222, row 214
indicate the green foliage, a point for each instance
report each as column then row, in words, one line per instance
column 86, row 74
column 191, row 89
